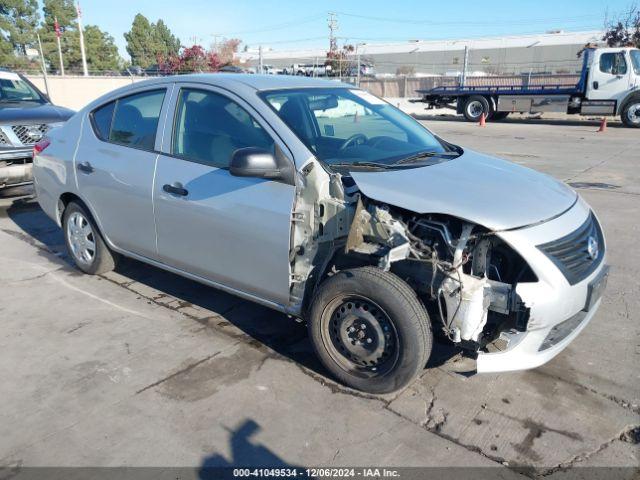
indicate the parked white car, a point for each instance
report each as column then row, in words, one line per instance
column 361, row 222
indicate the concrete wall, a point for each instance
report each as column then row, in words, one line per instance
column 76, row 92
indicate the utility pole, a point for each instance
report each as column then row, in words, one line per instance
column 82, row 52
column 44, row 67
column 358, row 66
column 465, row 66
column 260, row 61
column 56, row 27
column 332, row 22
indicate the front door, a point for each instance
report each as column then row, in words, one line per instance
column 609, row 75
column 114, row 166
column 231, row 230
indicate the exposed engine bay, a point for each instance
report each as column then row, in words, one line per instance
column 465, row 275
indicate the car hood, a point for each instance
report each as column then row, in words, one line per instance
column 32, row 112
column 495, row 193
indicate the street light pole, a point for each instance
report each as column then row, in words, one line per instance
column 82, row 52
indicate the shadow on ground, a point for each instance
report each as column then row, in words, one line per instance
column 275, row 330
column 245, row 453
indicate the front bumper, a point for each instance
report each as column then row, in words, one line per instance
column 558, row 311
column 15, row 167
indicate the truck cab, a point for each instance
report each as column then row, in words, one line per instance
column 613, row 78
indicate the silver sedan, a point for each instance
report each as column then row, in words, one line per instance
column 325, row 202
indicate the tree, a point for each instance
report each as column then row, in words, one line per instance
column 65, row 12
column 625, row 31
column 227, row 50
column 101, row 50
column 193, row 59
column 339, row 60
column 168, row 44
column 148, row 42
column 18, row 23
column 141, row 42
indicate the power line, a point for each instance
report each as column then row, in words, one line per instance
column 527, row 21
column 291, row 23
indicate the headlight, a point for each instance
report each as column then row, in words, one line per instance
column 55, row 125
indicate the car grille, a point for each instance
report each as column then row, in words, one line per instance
column 29, row 134
column 3, row 139
column 578, row 254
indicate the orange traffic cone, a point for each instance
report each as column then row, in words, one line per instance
column 483, row 120
column 603, row 125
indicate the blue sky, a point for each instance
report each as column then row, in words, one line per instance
column 288, row 24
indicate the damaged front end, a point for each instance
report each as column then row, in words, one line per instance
column 465, row 275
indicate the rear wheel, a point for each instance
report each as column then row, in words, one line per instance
column 475, row 106
column 630, row 115
column 370, row 330
column 84, row 241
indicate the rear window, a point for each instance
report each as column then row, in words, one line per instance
column 102, row 118
column 131, row 120
column 135, row 121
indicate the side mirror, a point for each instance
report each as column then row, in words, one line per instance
column 254, row 162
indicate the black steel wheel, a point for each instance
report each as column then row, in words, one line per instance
column 370, row 330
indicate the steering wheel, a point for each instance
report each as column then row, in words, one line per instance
column 353, row 140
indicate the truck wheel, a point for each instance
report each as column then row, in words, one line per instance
column 370, row 330
column 84, row 241
column 631, row 113
column 475, row 106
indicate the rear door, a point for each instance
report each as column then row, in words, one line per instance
column 114, row 168
column 230, row 230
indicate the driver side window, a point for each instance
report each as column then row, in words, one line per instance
column 210, row 127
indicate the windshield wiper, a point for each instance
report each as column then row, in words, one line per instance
column 421, row 155
column 383, row 166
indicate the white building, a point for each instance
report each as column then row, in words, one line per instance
column 554, row 52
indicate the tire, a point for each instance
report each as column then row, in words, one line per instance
column 475, row 106
column 393, row 346
column 498, row 116
column 630, row 114
column 84, row 241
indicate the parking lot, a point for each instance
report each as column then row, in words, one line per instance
column 141, row 367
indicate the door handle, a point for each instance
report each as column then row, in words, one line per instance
column 85, row 167
column 595, row 85
column 175, row 189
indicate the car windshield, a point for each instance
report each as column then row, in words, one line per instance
column 15, row 89
column 350, row 128
column 635, row 60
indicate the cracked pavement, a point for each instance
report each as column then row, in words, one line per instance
column 142, row 367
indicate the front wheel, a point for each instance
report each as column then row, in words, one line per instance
column 630, row 115
column 370, row 330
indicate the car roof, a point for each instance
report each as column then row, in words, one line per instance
column 257, row 82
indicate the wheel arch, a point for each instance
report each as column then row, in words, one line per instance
column 631, row 96
column 68, row 197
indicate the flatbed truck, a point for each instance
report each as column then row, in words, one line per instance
column 609, row 84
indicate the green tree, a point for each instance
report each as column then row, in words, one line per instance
column 18, row 23
column 101, row 51
column 100, row 48
column 142, row 42
column 167, row 43
column 65, row 12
